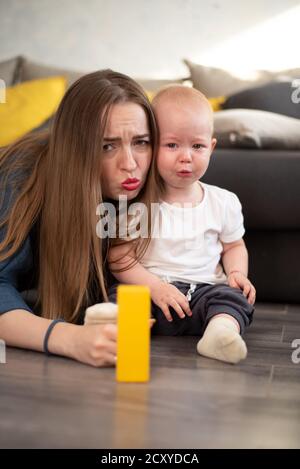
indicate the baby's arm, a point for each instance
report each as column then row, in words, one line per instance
column 235, row 262
column 163, row 294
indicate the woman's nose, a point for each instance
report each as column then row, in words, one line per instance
column 128, row 162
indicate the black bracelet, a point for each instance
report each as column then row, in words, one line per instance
column 47, row 335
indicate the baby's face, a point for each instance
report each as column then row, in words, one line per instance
column 186, row 141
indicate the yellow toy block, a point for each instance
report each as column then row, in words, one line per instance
column 133, row 344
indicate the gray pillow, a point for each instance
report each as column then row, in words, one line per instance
column 9, row 70
column 33, row 70
column 215, row 82
column 273, row 97
column 248, row 128
column 154, row 85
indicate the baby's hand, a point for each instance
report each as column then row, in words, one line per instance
column 165, row 295
column 239, row 280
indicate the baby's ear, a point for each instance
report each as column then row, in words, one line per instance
column 213, row 144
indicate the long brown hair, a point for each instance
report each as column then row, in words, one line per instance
column 56, row 178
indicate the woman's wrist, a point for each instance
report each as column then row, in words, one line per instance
column 48, row 333
column 61, row 339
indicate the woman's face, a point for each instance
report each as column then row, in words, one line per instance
column 127, row 151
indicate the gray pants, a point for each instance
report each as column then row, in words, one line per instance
column 205, row 301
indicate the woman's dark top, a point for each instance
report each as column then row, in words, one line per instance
column 16, row 272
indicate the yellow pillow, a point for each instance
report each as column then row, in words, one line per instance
column 217, row 102
column 150, row 95
column 28, row 105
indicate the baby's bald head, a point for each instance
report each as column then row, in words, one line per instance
column 179, row 97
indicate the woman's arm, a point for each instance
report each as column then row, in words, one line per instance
column 19, row 327
column 94, row 345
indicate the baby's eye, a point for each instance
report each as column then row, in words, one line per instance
column 107, row 147
column 198, row 146
column 172, row 145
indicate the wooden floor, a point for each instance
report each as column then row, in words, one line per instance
column 190, row 402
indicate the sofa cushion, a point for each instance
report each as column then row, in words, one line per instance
column 213, row 81
column 29, row 105
column 273, row 265
column 248, row 128
column 266, row 182
column 33, row 70
column 153, row 85
column 9, row 70
column 272, row 97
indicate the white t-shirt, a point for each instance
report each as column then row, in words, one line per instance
column 187, row 240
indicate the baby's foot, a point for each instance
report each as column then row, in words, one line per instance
column 222, row 341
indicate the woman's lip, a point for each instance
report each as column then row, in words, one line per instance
column 130, row 181
column 131, row 185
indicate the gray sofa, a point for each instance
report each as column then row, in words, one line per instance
column 267, row 183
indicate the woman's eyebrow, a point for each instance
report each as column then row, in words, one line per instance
column 111, row 139
column 116, row 139
column 142, row 136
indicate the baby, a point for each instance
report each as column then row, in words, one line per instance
column 196, row 264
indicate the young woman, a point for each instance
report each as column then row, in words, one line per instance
column 100, row 147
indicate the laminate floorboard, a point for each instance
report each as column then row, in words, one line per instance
column 190, row 401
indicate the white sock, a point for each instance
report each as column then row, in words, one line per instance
column 222, row 341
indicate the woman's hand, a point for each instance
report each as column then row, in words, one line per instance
column 95, row 345
column 239, row 280
column 165, row 295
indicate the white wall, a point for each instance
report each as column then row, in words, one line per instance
column 149, row 38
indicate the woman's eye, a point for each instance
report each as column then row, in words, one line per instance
column 142, row 142
column 107, row 147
